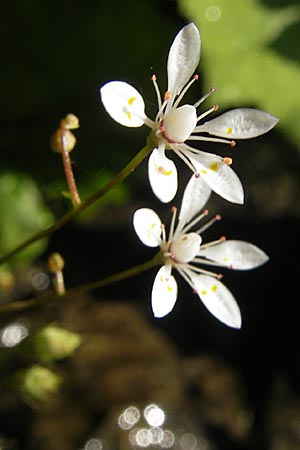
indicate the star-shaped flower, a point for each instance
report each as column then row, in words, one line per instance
column 183, row 250
column 174, row 125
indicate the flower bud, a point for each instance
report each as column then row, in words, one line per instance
column 62, row 139
column 70, row 122
column 56, row 262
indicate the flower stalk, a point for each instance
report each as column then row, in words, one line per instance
column 18, row 306
column 56, row 264
column 127, row 170
column 63, row 141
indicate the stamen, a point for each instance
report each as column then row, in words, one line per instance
column 171, row 233
column 159, row 115
column 208, row 224
column 208, row 262
column 212, row 243
column 159, row 101
column 194, row 221
column 210, row 139
column 202, row 99
column 227, row 161
column 200, row 270
column 185, row 159
column 206, row 113
column 163, row 232
column 185, row 277
column 184, row 90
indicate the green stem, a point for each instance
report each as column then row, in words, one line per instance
column 131, row 166
column 19, row 306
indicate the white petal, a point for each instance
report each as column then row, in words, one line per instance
column 164, row 293
column 218, row 300
column 240, row 123
column 183, row 58
column 162, row 176
column 179, row 123
column 195, row 197
column 185, row 247
column 219, row 176
column 238, row 255
column 147, row 226
column 123, row 103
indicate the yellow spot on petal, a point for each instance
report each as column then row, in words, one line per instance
column 128, row 114
column 214, row 166
column 225, row 259
column 203, row 292
column 229, row 130
column 152, row 225
column 131, row 100
column 163, row 171
column 214, row 287
column 203, row 171
column 169, row 288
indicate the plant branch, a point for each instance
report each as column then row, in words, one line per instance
column 19, row 306
column 131, row 166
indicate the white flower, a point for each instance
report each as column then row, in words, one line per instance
column 183, row 250
column 174, row 124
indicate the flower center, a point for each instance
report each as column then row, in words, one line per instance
column 184, row 248
column 179, row 123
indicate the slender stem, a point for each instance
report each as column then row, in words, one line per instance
column 59, row 283
column 18, row 306
column 70, row 176
column 131, row 166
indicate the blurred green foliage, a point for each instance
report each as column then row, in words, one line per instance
column 22, row 213
column 37, row 383
column 250, row 52
column 53, row 342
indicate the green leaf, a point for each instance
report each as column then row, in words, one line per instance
column 250, row 52
column 22, row 214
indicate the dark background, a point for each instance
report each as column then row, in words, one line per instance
column 55, row 56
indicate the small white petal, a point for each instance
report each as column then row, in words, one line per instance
column 218, row 300
column 240, row 123
column 164, row 293
column 147, row 226
column 185, row 247
column 123, row 103
column 195, row 197
column 238, row 255
column 179, row 123
column 218, row 175
column 162, row 176
column 183, row 58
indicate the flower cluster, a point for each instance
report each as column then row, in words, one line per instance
column 173, row 126
column 183, row 250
